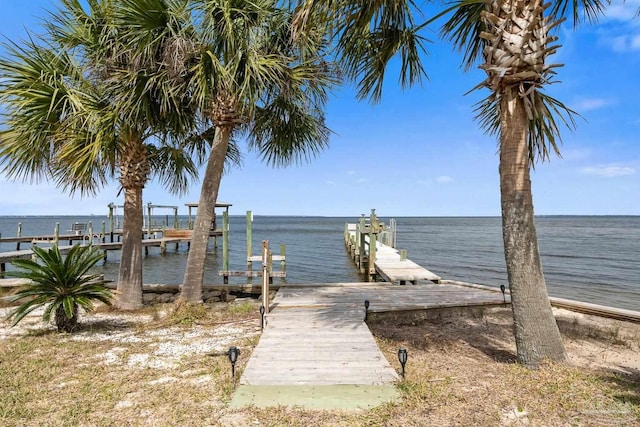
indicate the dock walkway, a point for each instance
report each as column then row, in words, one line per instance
column 316, row 350
column 161, row 242
column 389, row 263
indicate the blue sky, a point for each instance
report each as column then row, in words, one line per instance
column 419, row 152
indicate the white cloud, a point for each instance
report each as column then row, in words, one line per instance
column 609, row 171
column 626, row 43
column 622, row 10
column 589, row 104
column 620, row 28
column 576, row 154
column 444, row 179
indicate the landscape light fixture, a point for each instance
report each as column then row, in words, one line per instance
column 366, row 309
column 233, row 354
column 262, row 310
column 402, row 357
column 504, row 298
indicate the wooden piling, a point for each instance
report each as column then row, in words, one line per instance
column 56, row 233
column 225, row 241
column 265, row 276
column 249, row 239
column 283, row 254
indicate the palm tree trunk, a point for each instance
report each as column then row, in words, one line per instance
column 194, row 272
column 536, row 331
column 65, row 323
column 129, row 290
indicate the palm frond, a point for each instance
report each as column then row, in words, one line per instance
column 544, row 136
column 463, row 30
column 589, row 10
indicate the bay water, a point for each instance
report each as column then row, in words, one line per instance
column 586, row 258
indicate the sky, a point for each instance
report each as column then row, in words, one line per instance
column 419, row 152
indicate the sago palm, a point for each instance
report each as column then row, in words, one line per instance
column 512, row 40
column 62, row 284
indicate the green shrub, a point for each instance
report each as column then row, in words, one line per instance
column 62, row 284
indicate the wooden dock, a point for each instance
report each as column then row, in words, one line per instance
column 389, row 263
column 104, row 246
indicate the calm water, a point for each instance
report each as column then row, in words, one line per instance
column 592, row 259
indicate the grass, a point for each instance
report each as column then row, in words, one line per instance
column 461, row 371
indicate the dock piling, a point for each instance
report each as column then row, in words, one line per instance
column 225, row 244
column 249, row 239
column 265, row 276
column 56, row 233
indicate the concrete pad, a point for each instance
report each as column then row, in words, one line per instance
column 321, row 397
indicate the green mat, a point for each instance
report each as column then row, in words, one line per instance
column 314, row 396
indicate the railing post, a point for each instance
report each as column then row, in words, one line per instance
column 111, row 206
column 249, row 239
column 225, row 241
column 371, row 267
column 149, row 220
column 175, row 218
column 265, row 275
column 361, row 244
column 56, row 233
column 283, row 254
column 19, row 234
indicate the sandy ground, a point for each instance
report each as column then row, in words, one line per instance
column 592, row 342
column 464, row 356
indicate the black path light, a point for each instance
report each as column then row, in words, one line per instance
column 233, row 354
column 262, row 310
column 366, row 309
column 504, row 298
column 402, row 357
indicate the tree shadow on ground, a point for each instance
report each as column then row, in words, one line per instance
column 490, row 334
column 627, row 382
column 104, row 325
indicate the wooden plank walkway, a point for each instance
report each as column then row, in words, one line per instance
column 389, row 263
column 312, row 340
column 316, row 350
column 392, row 268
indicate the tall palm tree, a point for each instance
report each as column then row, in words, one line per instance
column 512, row 39
column 81, row 109
column 255, row 81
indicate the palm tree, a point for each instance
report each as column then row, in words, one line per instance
column 513, row 39
column 82, row 109
column 62, row 283
column 253, row 78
